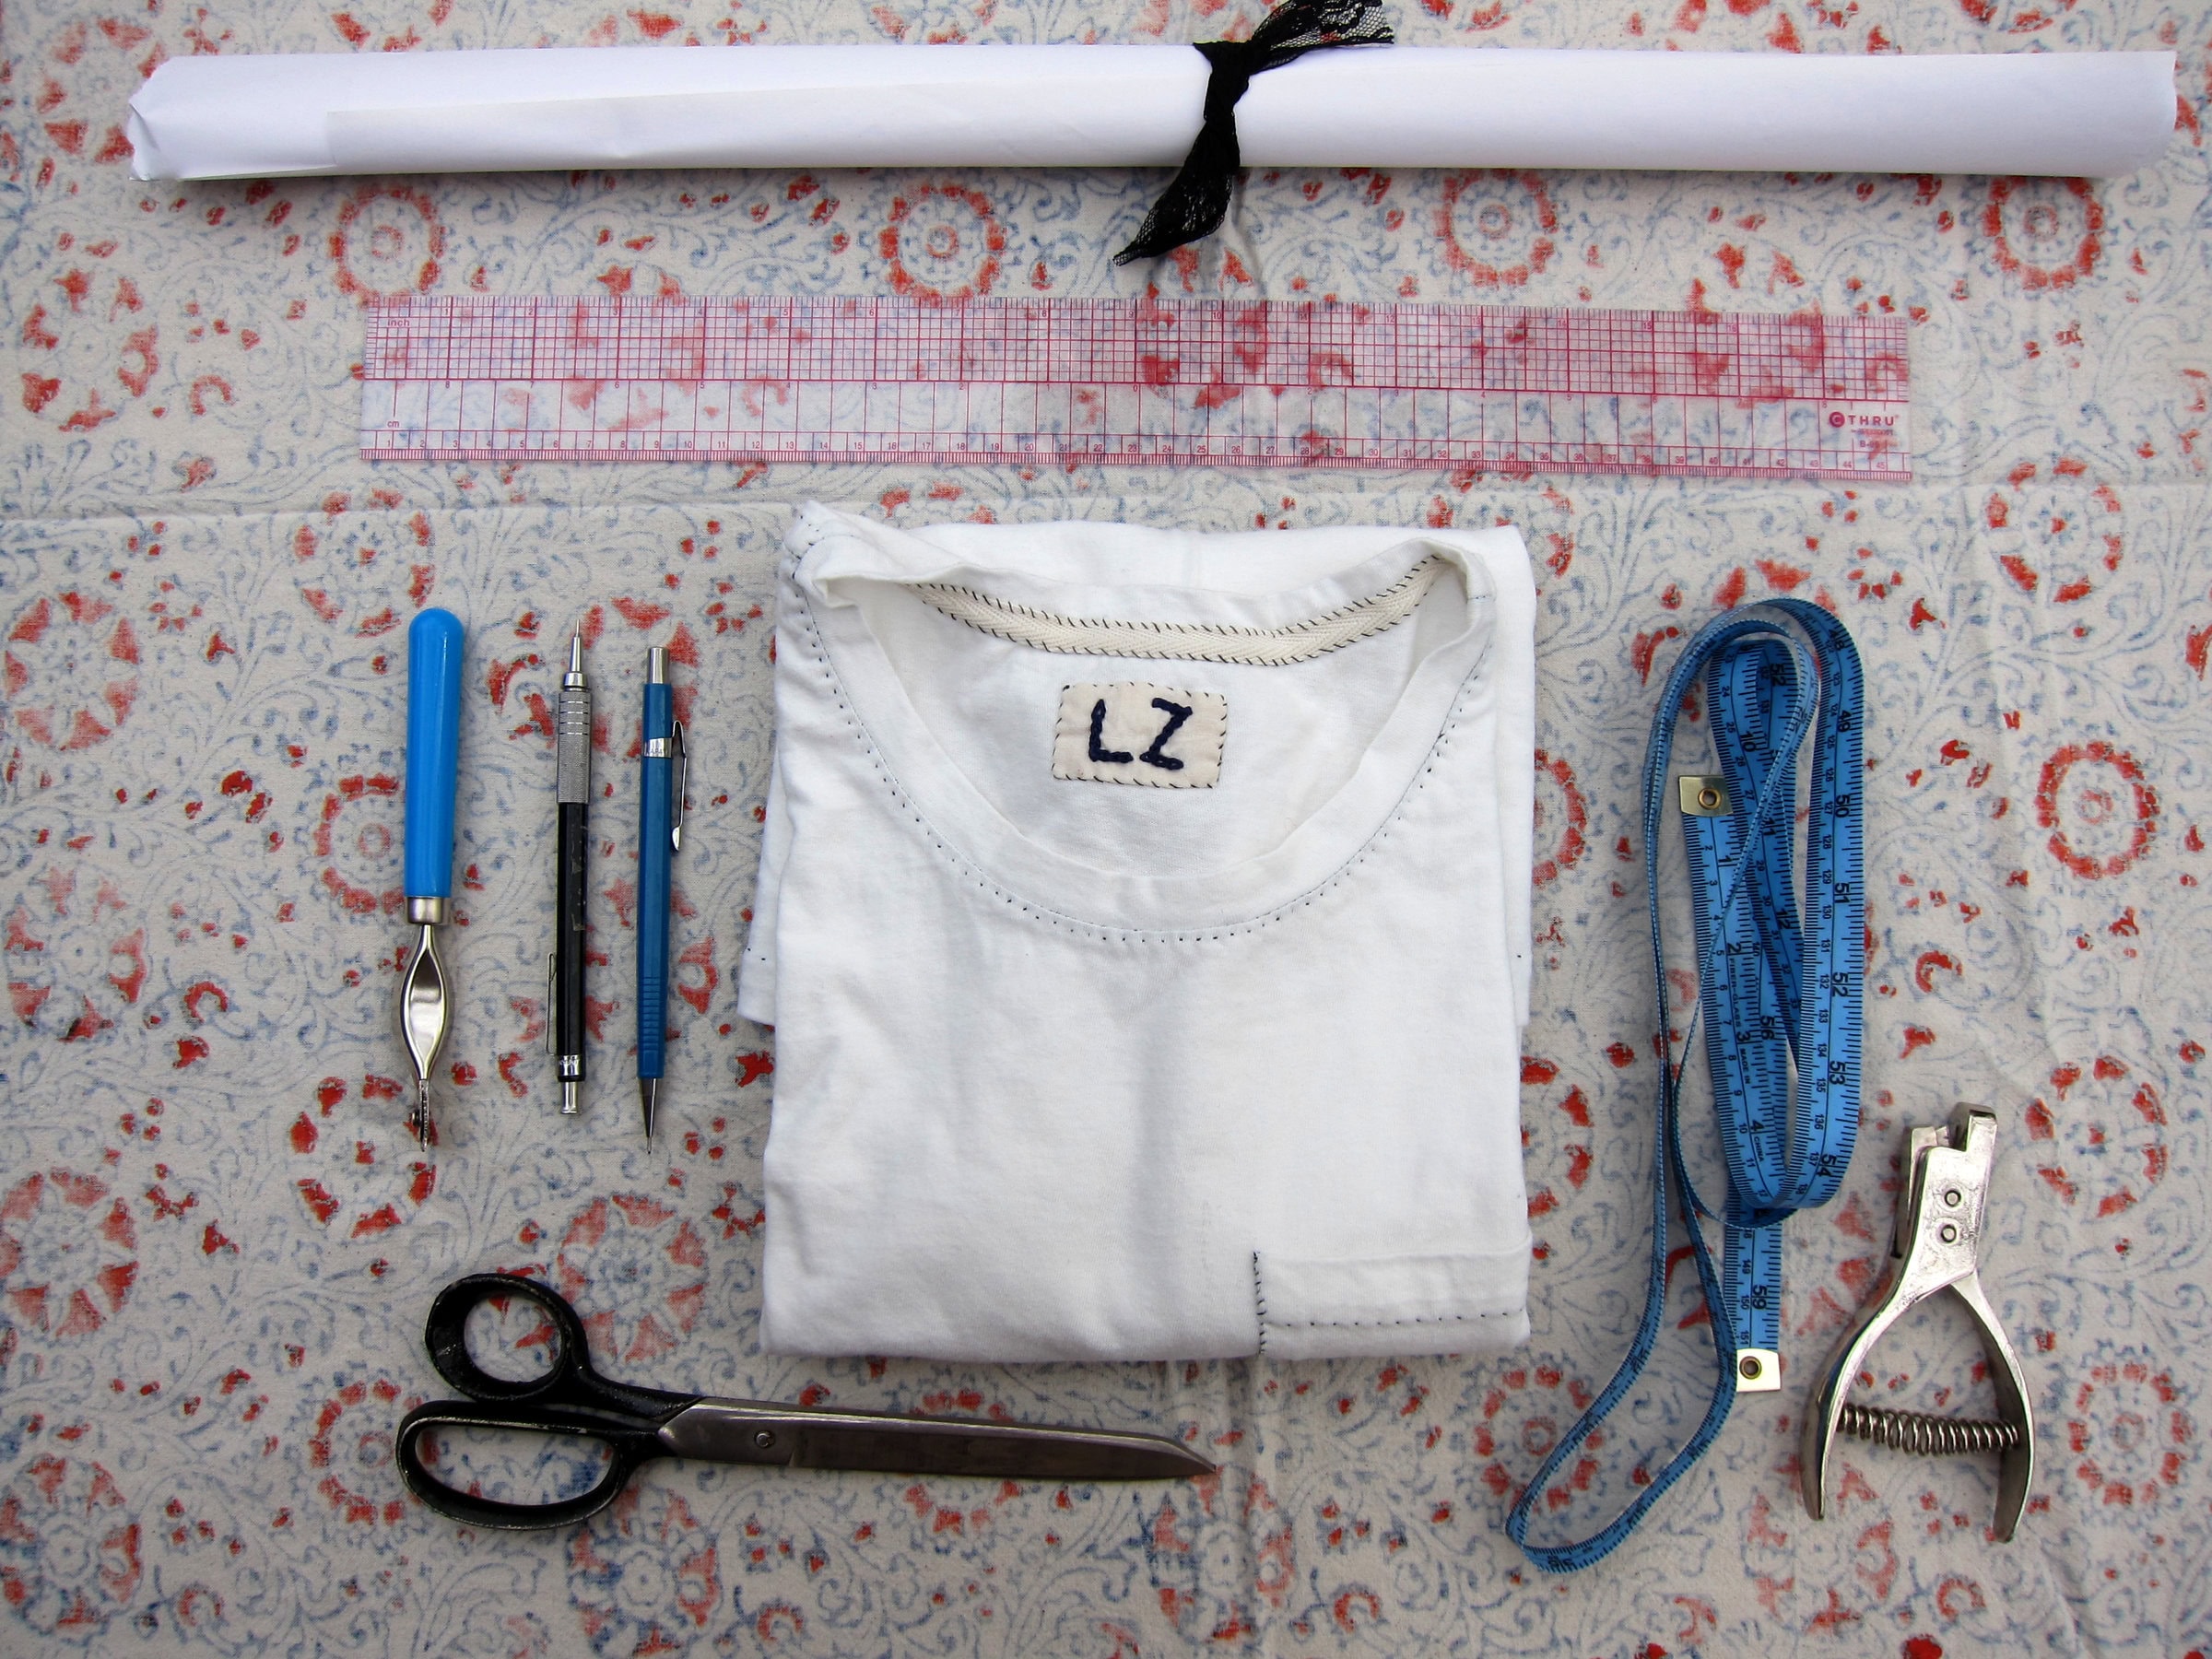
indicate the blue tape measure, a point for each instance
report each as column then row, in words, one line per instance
column 1779, row 975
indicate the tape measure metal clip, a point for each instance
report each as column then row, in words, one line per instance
column 1702, row 797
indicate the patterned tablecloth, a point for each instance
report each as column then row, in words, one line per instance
column 216, row 1243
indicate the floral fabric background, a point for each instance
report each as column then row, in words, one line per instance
column 217, row 1244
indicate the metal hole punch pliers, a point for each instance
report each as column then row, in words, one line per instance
column 1938, row 1246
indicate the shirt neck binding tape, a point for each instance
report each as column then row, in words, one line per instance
column 1189, row 642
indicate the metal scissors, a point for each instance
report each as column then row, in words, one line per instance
column 637, row 1425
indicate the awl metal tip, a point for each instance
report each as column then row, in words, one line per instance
column 424, row 1011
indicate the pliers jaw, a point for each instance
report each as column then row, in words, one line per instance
column 1937, row 1246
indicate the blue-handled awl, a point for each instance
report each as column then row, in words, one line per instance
column 434, row 643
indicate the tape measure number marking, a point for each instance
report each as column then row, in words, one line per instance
column 1135, row 383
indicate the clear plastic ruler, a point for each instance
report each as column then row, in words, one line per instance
column 1136, row 381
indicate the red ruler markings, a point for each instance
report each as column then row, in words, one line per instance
column 1204, row 382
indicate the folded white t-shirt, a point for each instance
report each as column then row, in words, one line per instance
column 1144, row 917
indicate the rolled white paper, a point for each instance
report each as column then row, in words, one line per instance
column 2072, row 114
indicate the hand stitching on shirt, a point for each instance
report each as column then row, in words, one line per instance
column 1098, row 751
column 1176, row 712
column 1430, row 1319
column 818, row 651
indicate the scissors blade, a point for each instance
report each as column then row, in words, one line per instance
column 804, row 1437
column 1002, row 1450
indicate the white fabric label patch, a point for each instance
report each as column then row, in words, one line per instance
column 1134, row 733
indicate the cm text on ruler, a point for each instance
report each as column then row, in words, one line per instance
column 1136, row 381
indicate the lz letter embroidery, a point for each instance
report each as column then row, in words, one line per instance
column 1134, row 733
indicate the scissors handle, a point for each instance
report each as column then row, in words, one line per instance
column 569, row 1400
column 571, row 1381
column 628, row 1445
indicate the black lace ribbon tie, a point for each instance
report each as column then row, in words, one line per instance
column 1197, row 200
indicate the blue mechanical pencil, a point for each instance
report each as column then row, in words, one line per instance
column 661, row 833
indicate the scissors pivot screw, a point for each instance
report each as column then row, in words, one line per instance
column 1937, row 1246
